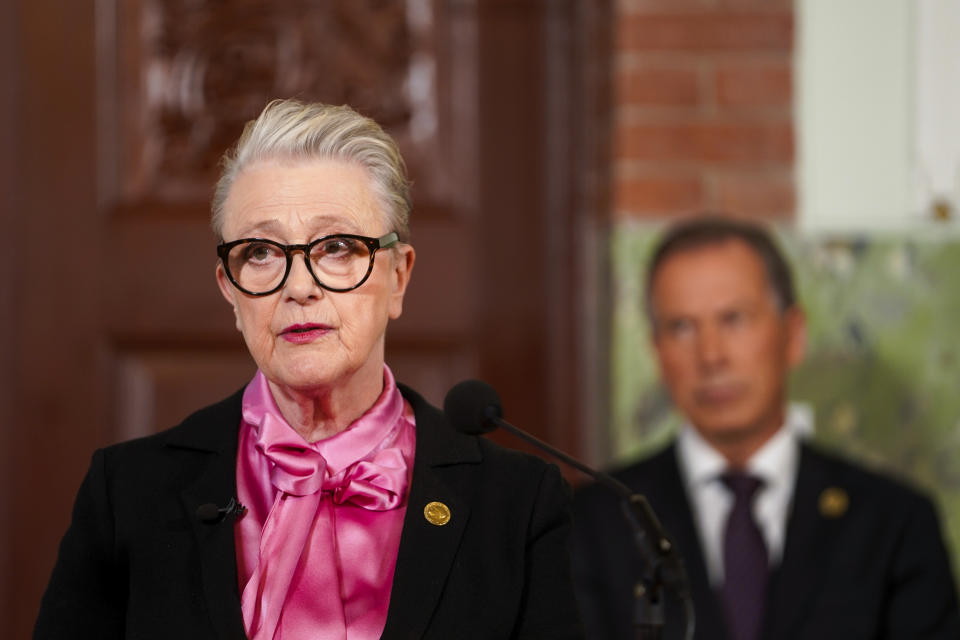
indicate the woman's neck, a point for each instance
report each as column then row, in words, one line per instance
column 320, row 413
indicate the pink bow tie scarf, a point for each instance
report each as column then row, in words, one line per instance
column 298, row 586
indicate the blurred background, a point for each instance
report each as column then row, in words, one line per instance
column 549, row 141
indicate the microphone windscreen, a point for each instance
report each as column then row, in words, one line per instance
column 471, row 406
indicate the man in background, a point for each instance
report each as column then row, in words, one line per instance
column 781, row 540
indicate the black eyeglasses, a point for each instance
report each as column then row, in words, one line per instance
column 340, row 262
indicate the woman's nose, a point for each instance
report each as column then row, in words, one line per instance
column 300, row 284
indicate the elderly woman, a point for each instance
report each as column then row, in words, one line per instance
column 365, row 515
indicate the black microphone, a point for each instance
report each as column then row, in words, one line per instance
column 473, row 407
column 210, row 513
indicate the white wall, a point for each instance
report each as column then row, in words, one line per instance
column 877, row 104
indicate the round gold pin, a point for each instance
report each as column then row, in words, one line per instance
column 833, row 502
column 437, row 513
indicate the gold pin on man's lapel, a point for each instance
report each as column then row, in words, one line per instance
column 834, row 502
column 437, row 513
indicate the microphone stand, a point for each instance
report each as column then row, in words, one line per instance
column 661, row 560
column 648, row 615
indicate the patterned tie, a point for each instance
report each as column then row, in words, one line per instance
column 744, row 561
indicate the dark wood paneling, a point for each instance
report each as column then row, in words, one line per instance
column 440, row 301
column 429, row 365
column 588, row 235
column 513, row 345
column 58, row 385
column 160, row 279
column 9, row 218
column 158, row 387
column 539, row 239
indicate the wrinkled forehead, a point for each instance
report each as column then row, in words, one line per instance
column 307, row 196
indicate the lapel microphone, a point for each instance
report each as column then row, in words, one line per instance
column 209, row 513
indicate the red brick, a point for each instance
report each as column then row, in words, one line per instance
column 658, row 86
column 754, row 84
column 756, row 194
column 650, row 194
column 712, row 31
column 715, row 143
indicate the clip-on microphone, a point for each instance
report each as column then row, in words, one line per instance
column 210, row 513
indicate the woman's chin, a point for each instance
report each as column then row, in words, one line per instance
column 309, row 377
column 305, row 380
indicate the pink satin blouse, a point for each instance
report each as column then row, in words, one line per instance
column 317, row 548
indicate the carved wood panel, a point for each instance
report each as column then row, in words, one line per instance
column 190, row 73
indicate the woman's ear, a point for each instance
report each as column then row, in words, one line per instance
column 228, row 292
column 401, row 268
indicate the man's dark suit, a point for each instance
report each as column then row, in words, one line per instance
column 137, row 562
column 872, row 568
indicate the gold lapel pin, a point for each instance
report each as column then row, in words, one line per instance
column 437, row 513
column 833, row 502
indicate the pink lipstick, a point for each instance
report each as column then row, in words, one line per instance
column 303, row 333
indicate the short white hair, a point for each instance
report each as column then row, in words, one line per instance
column 294, row 130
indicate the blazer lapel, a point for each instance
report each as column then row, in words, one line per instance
column 427, row 550
column 213, row 434
column 811, row 532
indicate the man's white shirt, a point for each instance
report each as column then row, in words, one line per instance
column 775, row 463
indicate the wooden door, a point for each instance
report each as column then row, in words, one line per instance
column 118, row 113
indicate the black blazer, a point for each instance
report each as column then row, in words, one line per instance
column 136, row 561
column 875, row 569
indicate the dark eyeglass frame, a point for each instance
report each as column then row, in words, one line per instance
column 373, row 245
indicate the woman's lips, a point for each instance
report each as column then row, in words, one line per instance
column 302, row 333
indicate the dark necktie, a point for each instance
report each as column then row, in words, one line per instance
column 744, row 561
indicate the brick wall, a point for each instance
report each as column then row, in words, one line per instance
column 703, row 108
